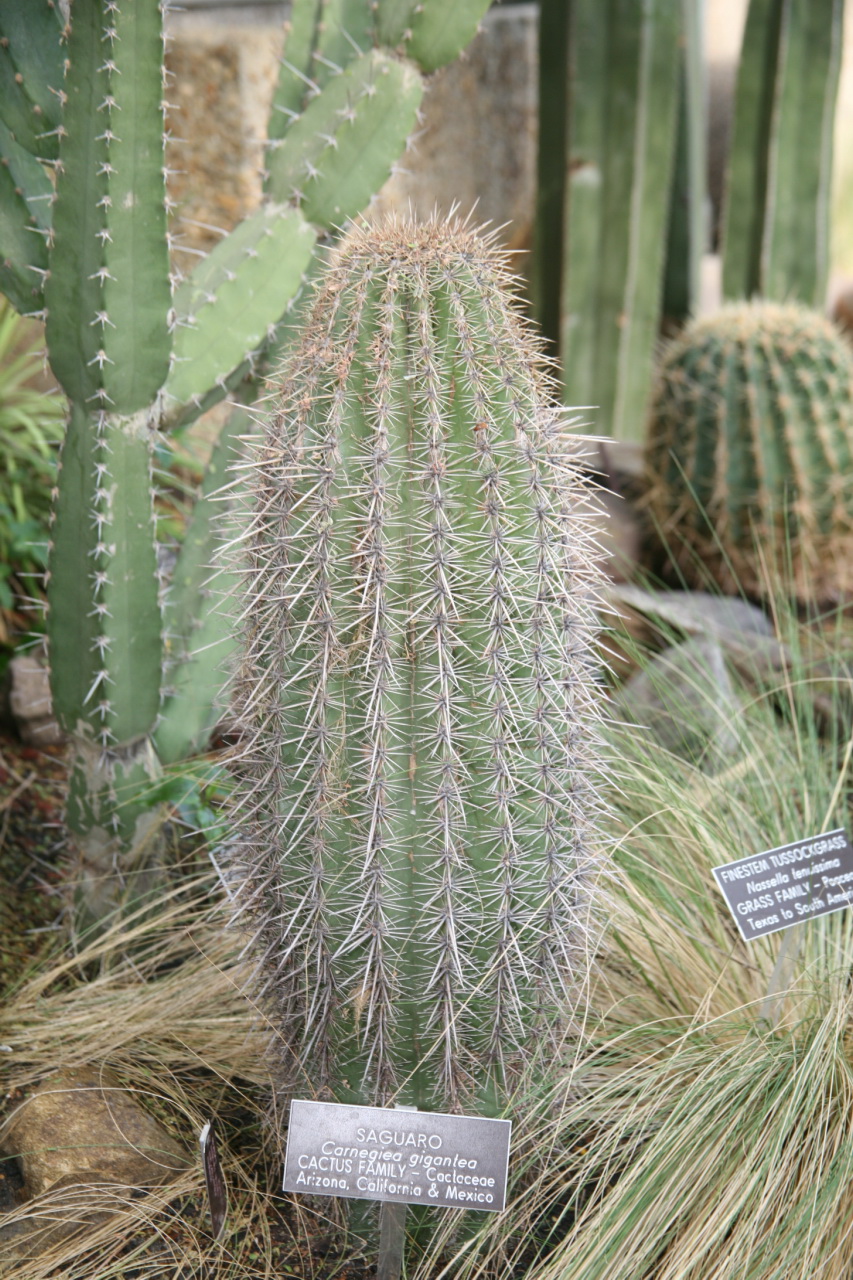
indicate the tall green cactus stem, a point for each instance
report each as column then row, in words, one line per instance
column 417, row 687
column 687, row 234
column 109, row 270
column 621, row 78
column 776, row 221
column 749, row 457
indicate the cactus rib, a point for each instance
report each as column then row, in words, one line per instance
column 31, row 74
column 25, row 190
column 197, row 627
column 621, row 133
column 108, row 546
column 137, row 291
column 74, row 286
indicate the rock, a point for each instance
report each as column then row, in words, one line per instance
column 655, row 618
column 685, row 699
column 83, row 1125
column 693, row 612
column 30, row 701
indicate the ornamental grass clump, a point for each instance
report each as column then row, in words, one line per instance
column 418, row 688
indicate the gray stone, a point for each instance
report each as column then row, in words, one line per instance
column 684, row 698
column 694, row 612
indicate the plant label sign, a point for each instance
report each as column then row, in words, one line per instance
column 796, row 882
column 216, row 1196
column 402, row 1156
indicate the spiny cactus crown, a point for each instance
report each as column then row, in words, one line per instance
column 750, row 442
column 418, row 684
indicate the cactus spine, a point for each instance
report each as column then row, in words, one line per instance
column 750, row 449
column 417, row 685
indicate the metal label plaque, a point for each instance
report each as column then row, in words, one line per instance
column 214, row 1181
column 788, row 885
column 406, row 1157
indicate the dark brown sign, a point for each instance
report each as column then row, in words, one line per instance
column 785, row 886
column 407, row 1157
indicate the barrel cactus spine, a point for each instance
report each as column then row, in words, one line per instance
column 749, row 451
column 417, row 683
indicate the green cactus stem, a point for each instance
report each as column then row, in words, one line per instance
column 31, row 74
column 335, row 156
column 105, row 636
column 601, row 228
column 226, row 309
column 430, row 34
column 749, row 457
column 25, row 193
column 198, row 637
column 776, row 217
column 417, row 687
column 109, row 265
column 687, row 235
column 325, row 36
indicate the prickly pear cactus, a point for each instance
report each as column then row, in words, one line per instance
column 749, row 456
column 417, row 687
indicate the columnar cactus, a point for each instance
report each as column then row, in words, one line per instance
column 775, row 237
column 134, row 677
column 608, row 106
column 749, row 455
column 417, row 687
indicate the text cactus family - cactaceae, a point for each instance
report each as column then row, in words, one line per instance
column 749, row 456
column 418, row 685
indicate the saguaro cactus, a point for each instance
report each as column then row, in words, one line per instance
column 749, row 457
column 418, row 684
